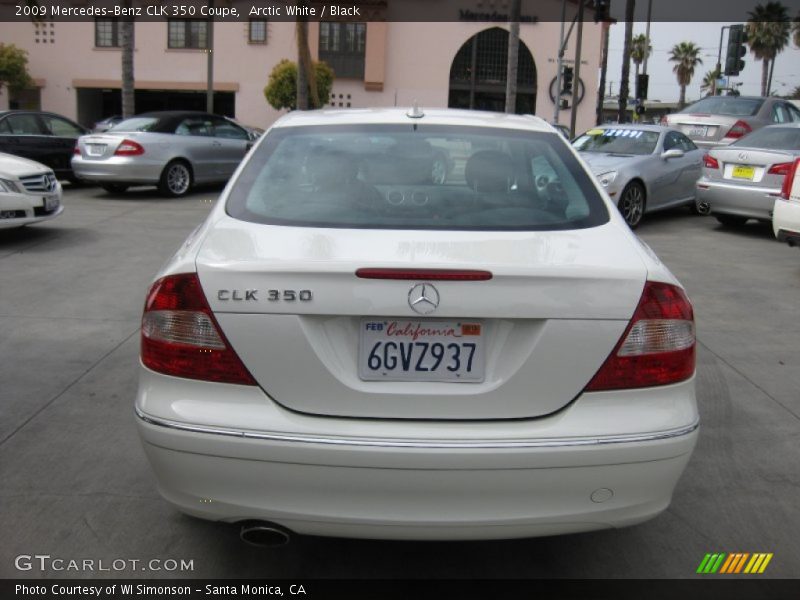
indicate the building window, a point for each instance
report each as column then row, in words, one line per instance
column 106, row 33
column 257, row 32
column 343, row 46
column 187, row 34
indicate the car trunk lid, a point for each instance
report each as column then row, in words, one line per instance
column 290, row 303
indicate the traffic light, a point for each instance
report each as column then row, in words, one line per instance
column 640, row 108
column 601, row 10
column 567, row 76
column 737, row 37
column 641, row 86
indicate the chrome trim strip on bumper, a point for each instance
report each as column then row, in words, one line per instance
column 396, row 443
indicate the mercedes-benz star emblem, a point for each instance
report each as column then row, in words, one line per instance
column 423, row 298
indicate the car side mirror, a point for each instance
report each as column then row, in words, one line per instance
column 672, row 153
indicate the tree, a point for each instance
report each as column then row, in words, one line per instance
column 126, row 34
column 513, row 58
column 796, row 30
column 639, row 49
column 795, row 93
column 14, row 68
column 281, row 89
column 622, row 112
column 686, row 57
column 709, row 81
column 768, row 28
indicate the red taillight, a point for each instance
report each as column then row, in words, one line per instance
column 788, row 181
column 780, row 169
column 658, row 346
column 129, row 148
column 426, row 274
column 709, row 162
column 181, row 337
column 76, row 151
column 739, row 129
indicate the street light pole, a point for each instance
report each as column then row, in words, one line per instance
column 557, row 93
column 573, row 114
column 647, row 35
column 719, row 61
column 210, row 61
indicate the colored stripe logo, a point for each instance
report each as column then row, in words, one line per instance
column 734, row 563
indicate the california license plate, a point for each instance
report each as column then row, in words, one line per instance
column 421, row 350
column 698, row 131
column 50, row 203
column 95, row 149
column 742, row 172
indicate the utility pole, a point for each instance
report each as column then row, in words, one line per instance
column 210, row 61
column 513, row 56
column 622, row 112
column 561, row 45
column 719, row 61
column 573, row 115
column 647, row 36
column 601, row 97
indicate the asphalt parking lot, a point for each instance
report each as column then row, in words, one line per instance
column 76, row 485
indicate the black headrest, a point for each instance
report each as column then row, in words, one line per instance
column 489, row 171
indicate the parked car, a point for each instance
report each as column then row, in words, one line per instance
column 742, row 181
column 480, row 357
column 786, row 217
column 721, row 120
column 643, row 168
column 171, row 149
column 106, row 124
column 43, row 137
column 29, row 192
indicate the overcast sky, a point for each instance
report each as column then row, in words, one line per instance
column 664, row 85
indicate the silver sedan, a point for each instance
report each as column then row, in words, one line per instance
column 172, row 149
column 743, row 180
column 644, row 168
column 721, row 120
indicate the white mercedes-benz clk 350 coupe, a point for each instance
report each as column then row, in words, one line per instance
column 416, row 325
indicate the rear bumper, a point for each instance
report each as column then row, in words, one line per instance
column 731, row 199
column 118, row 169
column 402, row 480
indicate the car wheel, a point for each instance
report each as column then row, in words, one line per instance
column 115, row 188
column 176, row 179
column 731, row 220
column 631, row 204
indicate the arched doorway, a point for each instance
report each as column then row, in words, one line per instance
column 478, row 74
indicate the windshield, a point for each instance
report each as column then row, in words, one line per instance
column 726, row 105
column 415, row 177
column 617, row 141
column 772, row 138
column 136, row 124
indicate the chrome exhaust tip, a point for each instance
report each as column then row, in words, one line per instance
column 264, row 534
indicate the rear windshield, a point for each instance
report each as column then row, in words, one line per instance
column 726, row 105
column 617, row 141
column 136, row 124
column 772, row 138
column 415, row 177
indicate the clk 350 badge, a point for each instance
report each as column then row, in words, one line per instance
column 272, row 295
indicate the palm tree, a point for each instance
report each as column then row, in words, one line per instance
column 126, row 34
column 686, row 57
column 639, row 49
column 622, row 112
column 710, row 81
column 767, row 35
column 306, row 77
